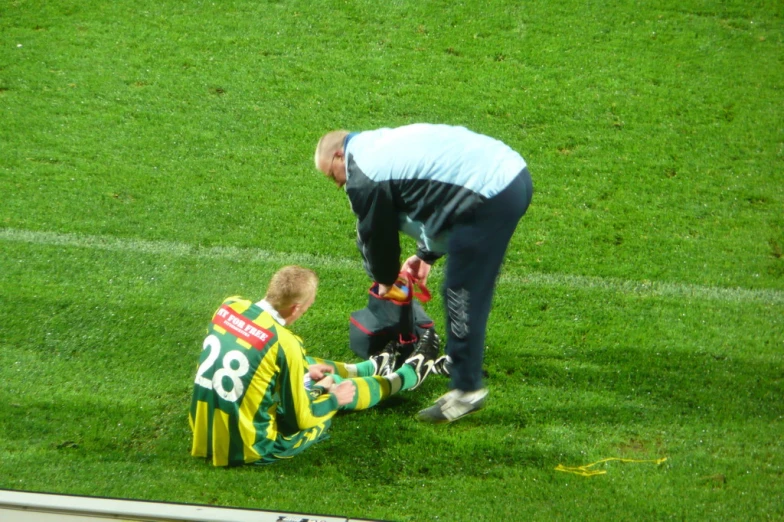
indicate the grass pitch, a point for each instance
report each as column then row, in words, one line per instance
column 156, row 157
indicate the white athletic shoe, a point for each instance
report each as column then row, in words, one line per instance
column 453, row 405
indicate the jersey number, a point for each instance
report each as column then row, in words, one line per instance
column 227, row 370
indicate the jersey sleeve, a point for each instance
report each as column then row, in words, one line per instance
column 300, row 410
column 426, row 255
column 377, row 228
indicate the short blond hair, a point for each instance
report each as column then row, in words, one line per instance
column 327, row 146
column 291, row 285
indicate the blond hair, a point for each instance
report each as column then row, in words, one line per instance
column 291, row 285
column 327, row 146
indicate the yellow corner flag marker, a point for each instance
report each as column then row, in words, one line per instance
column 585, row 470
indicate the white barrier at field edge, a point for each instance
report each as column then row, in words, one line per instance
column 24, row 506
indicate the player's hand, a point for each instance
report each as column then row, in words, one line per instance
column 317, row 371
column 416, row 268
column 327, row 383
column 345, row 392
column 383, row 289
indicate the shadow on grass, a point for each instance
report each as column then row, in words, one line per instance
column 623, row 385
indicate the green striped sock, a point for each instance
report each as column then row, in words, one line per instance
column 408, row 374
column 364, row 369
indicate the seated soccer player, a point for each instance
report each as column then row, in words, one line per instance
column 257, row 396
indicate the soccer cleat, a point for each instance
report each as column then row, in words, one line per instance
column 384, row 361
column 443, row 365
column 424, row 356
column 454, row 405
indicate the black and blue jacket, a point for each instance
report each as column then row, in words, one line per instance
column 419, row 179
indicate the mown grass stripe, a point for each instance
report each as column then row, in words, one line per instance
column 643, row 288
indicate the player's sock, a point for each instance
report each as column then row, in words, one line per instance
column 363, row 369
column 374, row 389
column 370, row 391
column 342, row 369
column 347, row 371
column 407, row 375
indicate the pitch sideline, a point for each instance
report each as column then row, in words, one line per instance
column 642, row 288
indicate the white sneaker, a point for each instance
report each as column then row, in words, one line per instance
column 453, row 405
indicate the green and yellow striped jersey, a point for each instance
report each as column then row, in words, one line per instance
column 249, row 399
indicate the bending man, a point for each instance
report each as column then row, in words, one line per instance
column 459, row 194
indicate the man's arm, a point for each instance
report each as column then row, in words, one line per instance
column 377, row 228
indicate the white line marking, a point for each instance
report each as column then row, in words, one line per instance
column 643, row 288
column 650, row 288
column 143, row 246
